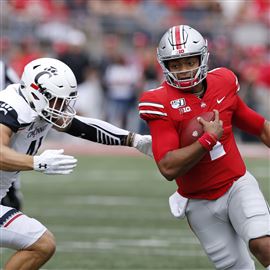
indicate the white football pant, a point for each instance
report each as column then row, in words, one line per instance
column 18, row 231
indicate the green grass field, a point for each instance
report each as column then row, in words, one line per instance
column 112, row 213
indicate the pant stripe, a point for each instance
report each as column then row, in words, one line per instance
column 8, row 217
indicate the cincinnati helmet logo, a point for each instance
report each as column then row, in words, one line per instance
column 51, row 71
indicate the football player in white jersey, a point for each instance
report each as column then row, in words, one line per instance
column 14, row 196
column 43, row 100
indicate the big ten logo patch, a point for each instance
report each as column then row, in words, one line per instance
column 185, row 110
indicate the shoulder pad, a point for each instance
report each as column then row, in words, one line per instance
column 228, row 76
column 23, row 111
column 151, row 106
column 8, row 116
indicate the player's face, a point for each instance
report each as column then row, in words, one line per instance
column 184, row 68
column 58, row 104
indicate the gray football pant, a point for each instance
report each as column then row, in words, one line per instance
column 225, row 226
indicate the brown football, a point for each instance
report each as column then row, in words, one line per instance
column 191, row 130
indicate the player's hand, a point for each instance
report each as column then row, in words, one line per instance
column 213, row 127
column 178, row 205
column 54, row 162
column 143, row 143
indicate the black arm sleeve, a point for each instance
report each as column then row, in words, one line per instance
column 99, row 131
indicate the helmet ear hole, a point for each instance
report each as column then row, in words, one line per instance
column 48, row 95
column 45, row 113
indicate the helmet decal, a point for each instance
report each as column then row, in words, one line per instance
column 41, row 74
column 177, row 37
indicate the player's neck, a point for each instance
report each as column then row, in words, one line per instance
column 198, row 90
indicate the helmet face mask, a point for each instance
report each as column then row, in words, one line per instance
column 182, row 42
column 60, row 111
column 50, row 88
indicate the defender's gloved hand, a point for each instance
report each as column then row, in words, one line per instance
column 54, row 162
column 143, row 143
column 178, row 205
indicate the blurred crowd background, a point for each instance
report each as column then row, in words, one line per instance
column 111, row 46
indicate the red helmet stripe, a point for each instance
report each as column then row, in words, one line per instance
column 178, row 37
column 34, row 86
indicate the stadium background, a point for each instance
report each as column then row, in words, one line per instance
column 112, row 213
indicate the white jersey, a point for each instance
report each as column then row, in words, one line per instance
column 29, row 129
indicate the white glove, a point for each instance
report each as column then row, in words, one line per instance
column 143, row 143
column 178, row 205
column 54, row 162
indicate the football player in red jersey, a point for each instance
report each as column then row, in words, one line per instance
column 221, row 200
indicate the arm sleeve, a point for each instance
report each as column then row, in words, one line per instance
column 99, row 131
column 164, row 138
column 247, row 120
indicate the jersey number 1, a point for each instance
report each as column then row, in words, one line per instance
column 34, row 146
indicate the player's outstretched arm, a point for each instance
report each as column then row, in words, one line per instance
column 102, row 132
column 265, row 135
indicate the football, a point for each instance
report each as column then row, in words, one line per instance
column 191, row 130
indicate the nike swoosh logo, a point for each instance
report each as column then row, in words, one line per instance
column 220, row 100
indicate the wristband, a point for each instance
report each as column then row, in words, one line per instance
column 130, row 139
column 208, row 141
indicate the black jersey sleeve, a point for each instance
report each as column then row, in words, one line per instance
column 9, row 117
column 99, row 131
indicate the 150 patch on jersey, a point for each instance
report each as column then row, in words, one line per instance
column 177, row 103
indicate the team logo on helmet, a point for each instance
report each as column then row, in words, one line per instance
column 51, row 71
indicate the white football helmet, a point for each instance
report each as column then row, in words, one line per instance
column 50, row 88
column 179, row 42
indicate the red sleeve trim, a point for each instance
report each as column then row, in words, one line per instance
column 150, row 108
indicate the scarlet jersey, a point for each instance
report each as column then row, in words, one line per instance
column 167, row 108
